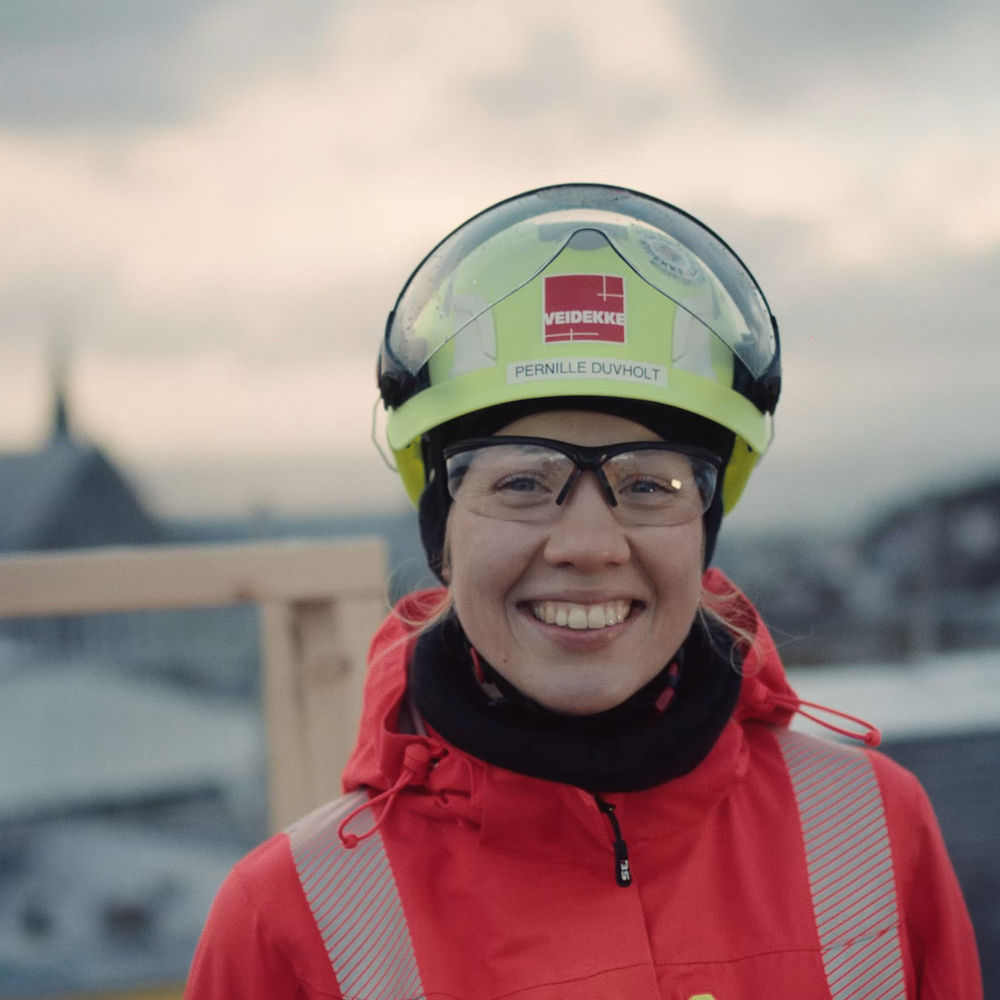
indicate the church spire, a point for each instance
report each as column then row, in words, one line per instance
column 59, row 379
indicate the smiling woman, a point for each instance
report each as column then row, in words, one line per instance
column 508, row 578
column 575, row 775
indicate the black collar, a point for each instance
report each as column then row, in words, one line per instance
column 634, row 746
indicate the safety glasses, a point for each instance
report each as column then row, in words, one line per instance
column 530, row 478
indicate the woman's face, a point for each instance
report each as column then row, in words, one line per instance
column 506, row 577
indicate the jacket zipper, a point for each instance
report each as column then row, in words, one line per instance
column 623, row 872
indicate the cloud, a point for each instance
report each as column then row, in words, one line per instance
column 67, row 66
column 202, row 405
column 296, row 187
column 252, row 197
column 769, row 55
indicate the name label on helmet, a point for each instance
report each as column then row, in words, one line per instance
column 584, row 307
column 605, row 368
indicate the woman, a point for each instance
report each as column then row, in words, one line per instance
column 575, row 776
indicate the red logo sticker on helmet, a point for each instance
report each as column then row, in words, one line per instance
column 584, row 307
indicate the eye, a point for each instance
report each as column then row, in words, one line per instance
column 521, row 482
column 650, row 486
column 525, row 475
column 496, row 479
column 651, row 477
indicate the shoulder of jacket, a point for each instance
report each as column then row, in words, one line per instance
column 900, row 789
column 272, row 864
column 327, row 816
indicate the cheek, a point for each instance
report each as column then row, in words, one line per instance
column 677, row 565
column 695, row 569
column 485, row 561
column 483, row 553
column 472, row 571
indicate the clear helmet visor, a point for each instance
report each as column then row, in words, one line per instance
column 505, row 248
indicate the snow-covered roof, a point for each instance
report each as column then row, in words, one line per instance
column 74, row 737
column 105, row 906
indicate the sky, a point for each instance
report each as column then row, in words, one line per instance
column 211, row 206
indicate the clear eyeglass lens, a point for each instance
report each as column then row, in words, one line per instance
column 522, row 482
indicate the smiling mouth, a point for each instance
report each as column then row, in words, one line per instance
column 581, row 616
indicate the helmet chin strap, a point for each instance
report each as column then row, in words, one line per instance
column 378, row 435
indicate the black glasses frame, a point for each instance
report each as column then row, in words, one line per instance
column 591, row 458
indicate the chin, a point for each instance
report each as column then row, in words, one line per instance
column 575, row 703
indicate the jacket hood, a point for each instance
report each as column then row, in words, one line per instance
column 393, row 760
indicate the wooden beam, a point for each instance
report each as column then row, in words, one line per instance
column 144, row 577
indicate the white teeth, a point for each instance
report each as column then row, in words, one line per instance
column 581, row 616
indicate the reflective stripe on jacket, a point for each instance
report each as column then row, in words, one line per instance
column 354, row 901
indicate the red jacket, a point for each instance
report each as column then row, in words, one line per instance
column 476, row 883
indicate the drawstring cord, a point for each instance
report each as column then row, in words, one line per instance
column 418, row 761
column 869, row 735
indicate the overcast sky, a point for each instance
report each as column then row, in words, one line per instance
column 214, row 203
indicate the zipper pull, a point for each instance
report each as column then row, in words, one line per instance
column 623, row 872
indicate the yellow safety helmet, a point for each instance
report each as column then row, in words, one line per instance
column 581, row 290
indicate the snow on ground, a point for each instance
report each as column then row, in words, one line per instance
column 99, row 905
column 92, row 896
column 75, row 735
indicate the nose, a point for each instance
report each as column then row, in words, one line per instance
column 586, row 534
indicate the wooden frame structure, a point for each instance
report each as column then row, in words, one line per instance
column 320, row 602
